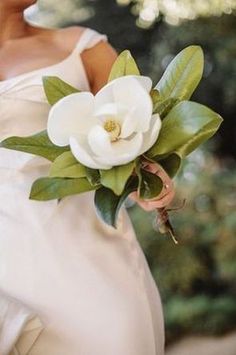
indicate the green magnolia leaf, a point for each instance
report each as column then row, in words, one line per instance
column 38, row 144
column 66, row 165
column 171, row 164
column 108, row 204
column 163, row 107
column 93, row 176
column 55, row 89
column 150, row 185
column 47, row 188
column 160, row 105
column 155, row 96
column 182, row 75
column 116, row 178
column 124, row 65
column 186, row 126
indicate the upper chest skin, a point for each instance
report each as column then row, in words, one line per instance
column 31, row 53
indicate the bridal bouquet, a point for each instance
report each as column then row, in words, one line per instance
column 105, row 142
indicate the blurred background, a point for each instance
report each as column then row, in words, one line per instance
column 197, row 278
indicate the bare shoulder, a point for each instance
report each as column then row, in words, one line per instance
column 97, row 60
column 70, row 35
column 67, row 37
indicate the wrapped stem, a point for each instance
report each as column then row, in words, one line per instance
column 163, row 221
column 164, row 224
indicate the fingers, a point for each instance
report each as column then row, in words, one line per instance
column 161, row 202
column 164, row 198
column 152, row 205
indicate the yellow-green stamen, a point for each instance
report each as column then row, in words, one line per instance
column 113, row 128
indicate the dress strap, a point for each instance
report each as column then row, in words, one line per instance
column 88, row 39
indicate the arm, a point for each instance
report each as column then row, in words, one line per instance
column 98, row 62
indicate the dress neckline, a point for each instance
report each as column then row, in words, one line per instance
column 46, row 67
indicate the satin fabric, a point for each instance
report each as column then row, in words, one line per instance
column 89, row 284
column 19, row 326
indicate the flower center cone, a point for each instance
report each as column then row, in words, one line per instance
column 113, row 128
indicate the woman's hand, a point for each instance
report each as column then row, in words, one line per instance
column 164, row 198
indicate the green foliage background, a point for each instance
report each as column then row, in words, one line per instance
column 196, row 278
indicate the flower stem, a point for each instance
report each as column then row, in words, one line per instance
column 164, row 224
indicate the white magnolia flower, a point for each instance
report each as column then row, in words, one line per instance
column 111, row 128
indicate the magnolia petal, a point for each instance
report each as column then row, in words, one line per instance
column 124, row 151
column 129, row 125
column 70, row 116
column 131, row 94
column 99, row 141
column 105, row 95
column 128, row 145
column 111, row 110
column 145, row 81
column 83, row 154
column 150, row 137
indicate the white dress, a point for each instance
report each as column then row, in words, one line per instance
column 89, row 283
